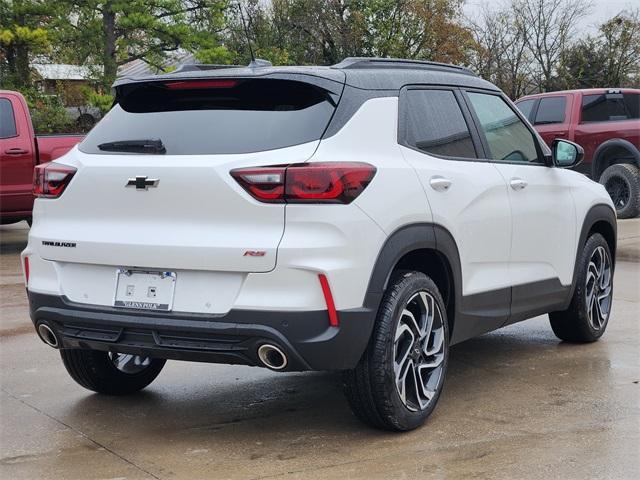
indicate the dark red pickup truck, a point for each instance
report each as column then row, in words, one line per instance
column 20, row 152
column 606, row 123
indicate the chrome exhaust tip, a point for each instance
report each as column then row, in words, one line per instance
column 47, row 335
column 272, row 357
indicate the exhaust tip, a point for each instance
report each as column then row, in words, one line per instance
column 47, row 335
column 272, row 357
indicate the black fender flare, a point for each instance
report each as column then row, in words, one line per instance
column 406, row 239
column 597, row 213
column 599, row 155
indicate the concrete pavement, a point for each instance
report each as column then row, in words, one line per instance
column 517, row 404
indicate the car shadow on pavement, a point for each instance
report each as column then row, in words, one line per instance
column 270, row 404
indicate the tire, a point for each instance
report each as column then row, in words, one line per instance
column 579, row 323
column 97, row 371
column 371, row 388
column 622, row 182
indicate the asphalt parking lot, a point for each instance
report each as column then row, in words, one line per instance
column 517, row 404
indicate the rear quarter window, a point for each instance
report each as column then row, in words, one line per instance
column 242, row 117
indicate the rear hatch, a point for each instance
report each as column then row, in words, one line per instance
column 153, row 187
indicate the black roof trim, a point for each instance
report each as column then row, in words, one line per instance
column 399, row 63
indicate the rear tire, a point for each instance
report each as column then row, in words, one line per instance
column 587, row 317
column 622, row 182
column 400, row 376
column 105, row 373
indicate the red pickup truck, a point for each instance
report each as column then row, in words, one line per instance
column 20, row 151
column 606, row 123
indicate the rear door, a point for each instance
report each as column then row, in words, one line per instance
column 16, row 156
column 153, row 187
column 467, row 196
column 543, row 242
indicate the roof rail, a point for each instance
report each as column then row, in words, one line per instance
column 391, row 63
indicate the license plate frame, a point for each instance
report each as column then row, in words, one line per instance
column 141, row 289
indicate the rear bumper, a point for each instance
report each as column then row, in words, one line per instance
column 306, row 337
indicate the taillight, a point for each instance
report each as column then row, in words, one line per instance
column 50, row 179
column 323, row 182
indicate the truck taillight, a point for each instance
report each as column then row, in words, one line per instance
column 322, row 182
column 50, row 179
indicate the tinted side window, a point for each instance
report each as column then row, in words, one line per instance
column 551, row 110
column 434, row 124
column 508, row 137
column 525, row 107
column 610, row 107
column 7, row 120
column 632, row 104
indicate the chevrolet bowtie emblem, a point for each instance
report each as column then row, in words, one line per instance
column 142, row 183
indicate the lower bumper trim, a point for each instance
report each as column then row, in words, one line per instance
column 308, row 340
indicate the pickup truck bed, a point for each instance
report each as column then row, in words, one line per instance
column 20, row 151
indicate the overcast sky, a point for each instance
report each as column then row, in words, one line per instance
column 602, row 10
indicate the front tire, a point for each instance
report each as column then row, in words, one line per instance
column 399, row 378
column 110, row 373
column 622, row 182
column 587, row 317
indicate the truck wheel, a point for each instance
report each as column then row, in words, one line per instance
column 622, row 182
column 110, row 373
column 587, row 317
column 398, row 380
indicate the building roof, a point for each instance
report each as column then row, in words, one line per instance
column 61, row 71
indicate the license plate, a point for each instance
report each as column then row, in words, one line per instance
column 144, row 290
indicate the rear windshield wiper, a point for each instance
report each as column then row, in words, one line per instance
column 135, row 146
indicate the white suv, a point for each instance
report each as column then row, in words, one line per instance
column 362, row 217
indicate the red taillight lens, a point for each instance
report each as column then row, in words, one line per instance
column 26, row 269
column 326, row 182
column 50, row 179
column 263, row 183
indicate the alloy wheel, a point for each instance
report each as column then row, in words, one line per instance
column 128, row 363
column 418, row 351
column 598, row 288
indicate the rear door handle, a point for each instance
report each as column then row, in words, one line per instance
column 16, row 151
column 440, row 184
column 518, row 184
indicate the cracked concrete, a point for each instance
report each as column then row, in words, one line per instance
column 517, row 404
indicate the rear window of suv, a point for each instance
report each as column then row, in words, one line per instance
column 610, row 107
column 221, row 116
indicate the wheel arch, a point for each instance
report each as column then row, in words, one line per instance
column 609, row 152
column 424, row 247
column 600, row 219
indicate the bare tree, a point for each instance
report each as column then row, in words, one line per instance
column 501, row 53
column 549, row 26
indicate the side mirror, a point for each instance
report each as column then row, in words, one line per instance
column 566, row 154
